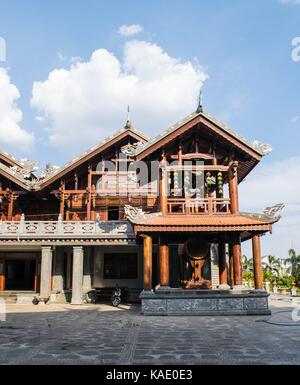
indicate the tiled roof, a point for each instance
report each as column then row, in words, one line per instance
column 256, row 146
column 92, row 149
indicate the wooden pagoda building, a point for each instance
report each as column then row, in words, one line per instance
column 85, row 225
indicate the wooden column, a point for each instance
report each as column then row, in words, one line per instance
column 164, row 269
column 163, row 188
column 11, row 196
column 257, row 263
column 147, row 263
column 231, row 272
column 62, row 200
column 237, row 260
column 233, row 190
column 89, row 195
column 222, row 262
column 2, row 274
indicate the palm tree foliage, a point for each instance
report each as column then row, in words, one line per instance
column 282, row 271
column 272, row 265
column 293, row 264
column 247, row 264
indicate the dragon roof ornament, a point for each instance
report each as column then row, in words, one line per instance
column 264, row 148
column 274, row 212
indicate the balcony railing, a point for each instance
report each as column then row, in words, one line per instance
column 65, row 229
column 193, row 206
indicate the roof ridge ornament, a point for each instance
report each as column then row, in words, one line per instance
column 200, row 102
column 128, row 123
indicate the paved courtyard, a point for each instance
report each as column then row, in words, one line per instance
column 61, row 334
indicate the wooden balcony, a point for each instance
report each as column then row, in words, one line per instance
column 195, row 206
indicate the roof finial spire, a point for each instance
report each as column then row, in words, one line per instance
column 200, row 102
column 128, row 123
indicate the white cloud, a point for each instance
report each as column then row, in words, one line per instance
column 270, row 184
column 130, row 30
column 72, row 59
column 295, row 119
column 289, row 2
column 11, row 133
column 88, row 102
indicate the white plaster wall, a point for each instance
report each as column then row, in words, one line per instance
column 99, row 281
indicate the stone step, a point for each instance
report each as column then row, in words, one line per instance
column 19, row 297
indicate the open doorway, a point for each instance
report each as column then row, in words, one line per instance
column 20, row 275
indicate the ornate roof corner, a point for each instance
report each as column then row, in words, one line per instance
column 263, row 148
column 26, row 170
column 137, row 216
column 133, row 213
column 274, row 212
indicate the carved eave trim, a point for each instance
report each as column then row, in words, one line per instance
column 203, row 228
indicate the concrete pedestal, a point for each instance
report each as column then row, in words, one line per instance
column 205, row 302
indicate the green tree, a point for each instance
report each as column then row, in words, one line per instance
column 247, row 264
column 293, row 264
column 271, row 266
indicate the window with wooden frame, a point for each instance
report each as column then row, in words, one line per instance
column 120, row 266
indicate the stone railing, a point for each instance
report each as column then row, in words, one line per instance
column 65, row 229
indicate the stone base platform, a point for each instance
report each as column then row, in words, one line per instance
column 205, row 302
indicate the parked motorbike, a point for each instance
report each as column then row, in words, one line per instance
column 116, row 297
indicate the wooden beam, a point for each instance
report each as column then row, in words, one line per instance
column 219, row 168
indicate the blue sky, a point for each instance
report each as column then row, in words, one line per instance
column 244, row 47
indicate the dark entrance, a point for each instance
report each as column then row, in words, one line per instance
column 19, row 275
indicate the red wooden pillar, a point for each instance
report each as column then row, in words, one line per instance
column 147, row 263
column 233, row 190
column 257, row 263
column 164, row 268
column 89, row 194
column 237, row 260
column 62, row 200
column 163, row 188
column 2, row 274
column 222, row 262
